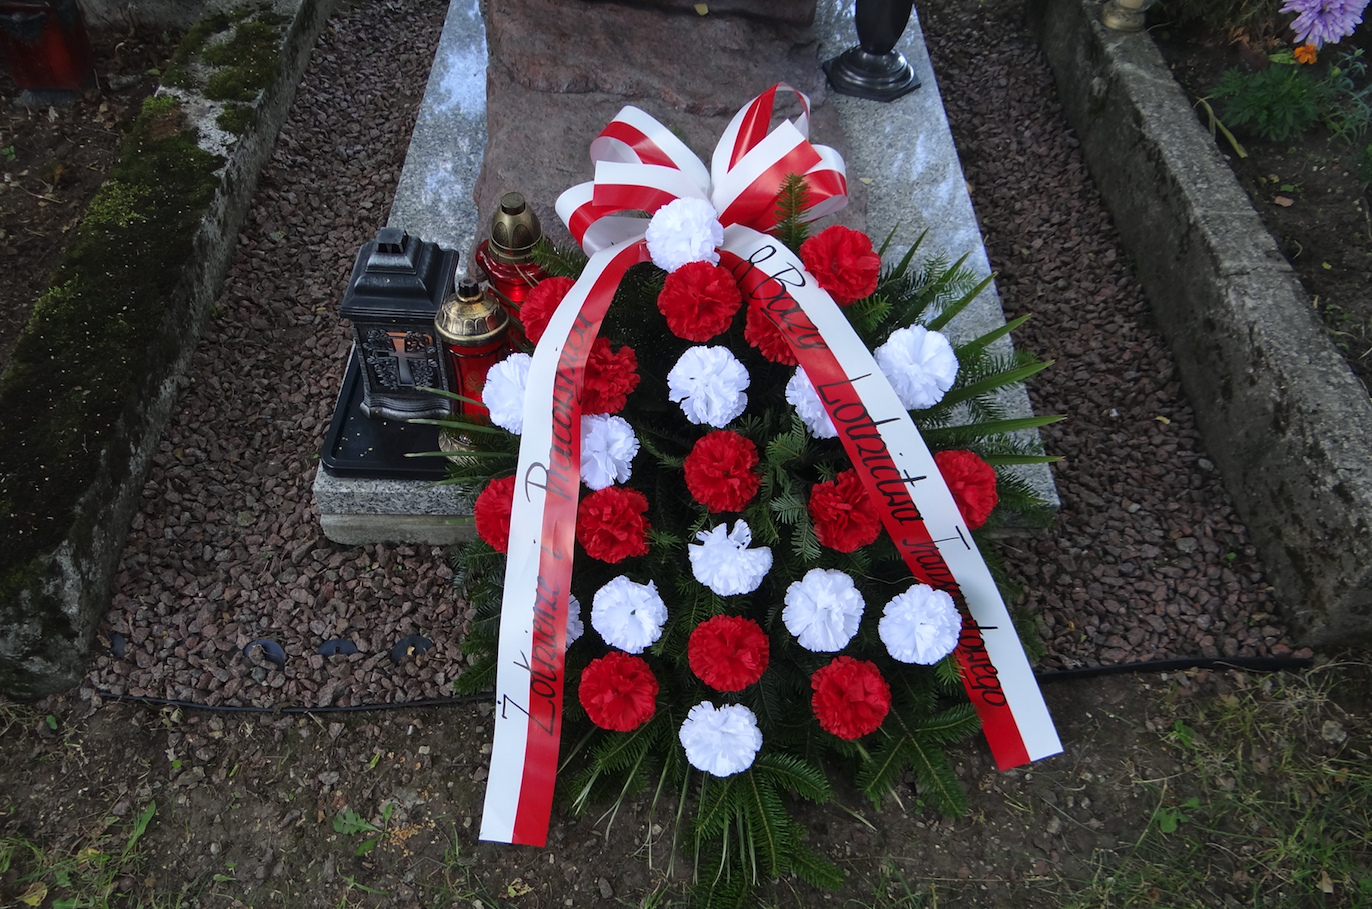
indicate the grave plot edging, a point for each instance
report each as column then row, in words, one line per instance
column 1280, row 412
column 49, row 616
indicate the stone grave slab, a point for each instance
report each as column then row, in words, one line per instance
column 524, row 123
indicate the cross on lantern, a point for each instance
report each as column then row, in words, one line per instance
column 401, row 358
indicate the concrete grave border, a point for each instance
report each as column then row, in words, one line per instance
column 1281, row 413
column 48, row 626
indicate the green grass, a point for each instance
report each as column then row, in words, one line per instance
column 1271, row 807
column 83, row 873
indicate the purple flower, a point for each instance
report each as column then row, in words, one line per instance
column 1318, row 21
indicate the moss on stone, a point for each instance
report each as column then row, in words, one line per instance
column 178, row 71
column 245, row 64
column 117, row 203
column 158, row 105
column 99, row 335
column 235, row 118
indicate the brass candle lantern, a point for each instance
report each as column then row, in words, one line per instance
column 474, row 330
column 507, row 257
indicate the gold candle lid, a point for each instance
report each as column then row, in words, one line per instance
column 470, row 317
column 514, row 231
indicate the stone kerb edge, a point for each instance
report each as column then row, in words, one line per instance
column 1280, row 412
column 47, row 653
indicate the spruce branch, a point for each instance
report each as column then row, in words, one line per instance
column 792, row 202
column 557, row 261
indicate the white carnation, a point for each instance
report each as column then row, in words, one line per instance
column 608, row 446
column 684, row 230
column 919, row 364
column 503, row 393
column 921, row 625
column 708, row 383
column 720, row 740
column 802, row 396
column 823, row 610
column 723, row 562
column 575, row 628
column 628, row 615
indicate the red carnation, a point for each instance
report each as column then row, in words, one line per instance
column 492, row 512
column 619, row 691
column 610, row 525
column 719, row 471
column 845, row 518
column 972, row 482
column 843, row 262
column 538, row 307
column 851, row 698
column 699, row 300
column 762, row 333
column 728, row 652
column 609, row 379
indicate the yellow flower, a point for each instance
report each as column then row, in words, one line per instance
column 1305, row 53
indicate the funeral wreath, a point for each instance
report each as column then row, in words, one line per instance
column 732, row 501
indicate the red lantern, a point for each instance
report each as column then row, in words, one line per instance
column 474, row 330
column 46, row 44
column 507, row 257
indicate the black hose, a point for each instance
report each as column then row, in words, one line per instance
column 1254, row 664
column 241, row 708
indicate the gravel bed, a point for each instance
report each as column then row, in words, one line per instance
column 1147, row 558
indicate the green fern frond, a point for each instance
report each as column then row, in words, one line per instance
column 714, row 806
column 788, row 447
column 663, row 543
column 867, row 315
column 788, row 508
column 977, row 345
column 734, row 893
column 619, row 750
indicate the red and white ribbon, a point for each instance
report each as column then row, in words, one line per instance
column 639, row 167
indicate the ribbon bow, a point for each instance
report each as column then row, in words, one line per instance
column 641, row 166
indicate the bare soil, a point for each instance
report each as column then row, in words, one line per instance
column 54, row 158
column 1307, row 190
column 249, row 809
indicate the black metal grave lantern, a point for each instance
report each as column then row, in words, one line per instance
column 397, row 285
